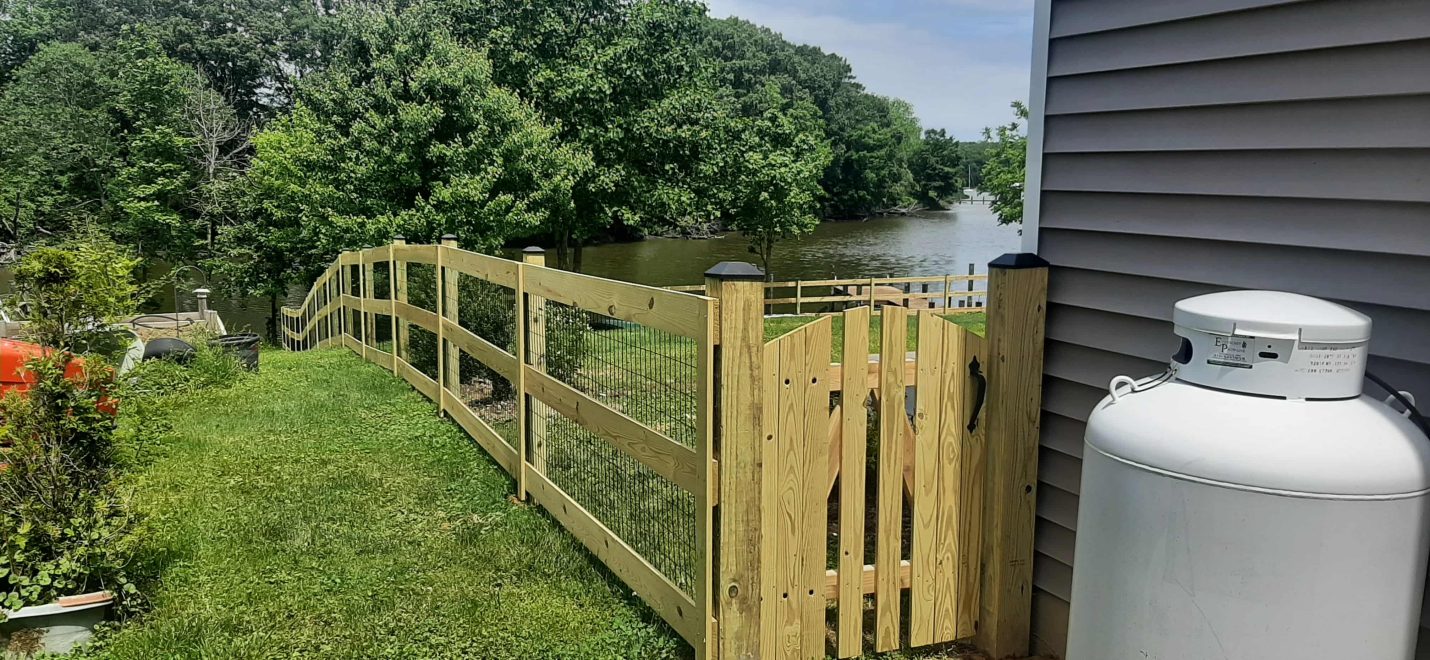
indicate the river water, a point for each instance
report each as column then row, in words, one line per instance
column 929, row 243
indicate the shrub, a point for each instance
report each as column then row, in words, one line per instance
column 64, row 529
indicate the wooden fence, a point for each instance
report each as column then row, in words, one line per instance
column 755, row 494
column 955, row 294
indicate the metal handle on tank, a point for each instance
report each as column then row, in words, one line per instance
column 1129, row 381
column 1408, row 397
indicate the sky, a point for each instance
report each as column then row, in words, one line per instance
column 959, row 62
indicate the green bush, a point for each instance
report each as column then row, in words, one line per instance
column 64, row 529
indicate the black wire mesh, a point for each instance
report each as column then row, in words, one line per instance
column 650, row 376
column 487, row 310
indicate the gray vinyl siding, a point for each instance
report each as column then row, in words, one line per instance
column 1193, row 146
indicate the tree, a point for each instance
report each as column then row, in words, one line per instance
column 254, row 50
column 406, row 134
column 873, row 140
column 608, row 73
column 107, row 140
column 1005, row 173
column 779, row 154
column 58, row 146
column 938, row 169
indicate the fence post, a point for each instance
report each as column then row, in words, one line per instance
column 742, row 448
column 392, row 298
column 1017, row 309
column 523, row 358
column 968, row 301
column 400, row 329
column 346, row 283
column 364, row 286
column 536, row 349
column 451, row 367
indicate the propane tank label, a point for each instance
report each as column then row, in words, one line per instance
column 1328, row 359
column 1231, row 352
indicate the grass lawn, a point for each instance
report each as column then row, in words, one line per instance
column 321, row 509
column 779, row 325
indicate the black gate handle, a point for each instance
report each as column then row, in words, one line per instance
column 976, row 371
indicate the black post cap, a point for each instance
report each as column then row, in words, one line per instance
column 534, row 249
column 1019, row 261
column 736, row 271
column 399, row 237
column 449, row 237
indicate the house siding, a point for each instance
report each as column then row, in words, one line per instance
column 1193, row 146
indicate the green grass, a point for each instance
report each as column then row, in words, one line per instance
column 322, row 509
column 776, row 326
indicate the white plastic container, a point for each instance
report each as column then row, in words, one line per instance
column 1252, row 503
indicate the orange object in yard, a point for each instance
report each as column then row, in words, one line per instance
column 14, row 377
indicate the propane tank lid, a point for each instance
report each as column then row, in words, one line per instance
column 1272, row 314
column 1272, row 343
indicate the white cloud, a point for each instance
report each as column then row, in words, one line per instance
column 962, row 83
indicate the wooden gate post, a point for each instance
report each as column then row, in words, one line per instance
column 1017, row 310
column 743, row 450
column 447, row 290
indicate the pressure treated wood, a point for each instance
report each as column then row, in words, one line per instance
column 523, row 392
column 973, row 470
column 863, row 580
column 891, row 460
column 743, row 448
column 677, row 313
column 928, row 427
column 535, row 332
column 396, row 292
column 484, row 267
column 666, row 457
column 483, row 433
column 1016, row 317
column 770, row 447
column 450, row 306
column 414, row 254
column 948, row 494
column 854, row 430
column 663, row 596
column 487, row 353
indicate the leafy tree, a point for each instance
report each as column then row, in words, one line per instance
column 58, row 142
column 406, row 134
column 779, row 154
column 624, row 81
column 107, row 139
column 253, row 50
column 1005, row 172
column 71, row 288
column 938, row 169
column 873, row 140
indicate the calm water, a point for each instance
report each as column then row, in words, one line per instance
column 933, row 243
column 940, row 243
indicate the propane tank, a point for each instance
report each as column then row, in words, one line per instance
column 1251, row 503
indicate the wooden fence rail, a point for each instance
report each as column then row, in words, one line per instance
column 832, row 296
column 742, row 488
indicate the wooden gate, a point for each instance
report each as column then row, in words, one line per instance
column 876, row 472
